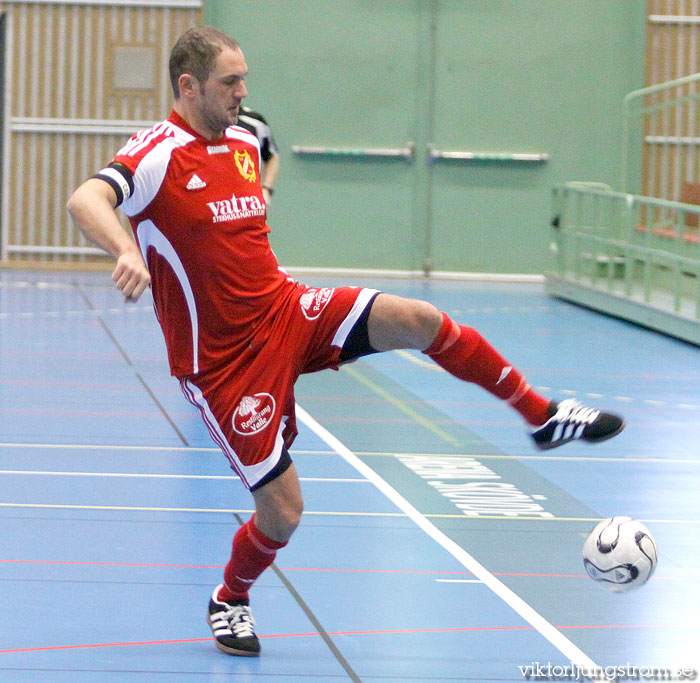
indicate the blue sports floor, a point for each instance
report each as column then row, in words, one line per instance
column 437, row 544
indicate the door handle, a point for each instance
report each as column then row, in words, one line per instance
column 435, row 155
column 405, row 153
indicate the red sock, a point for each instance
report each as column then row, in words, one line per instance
column 464, row 353
column 252, row 554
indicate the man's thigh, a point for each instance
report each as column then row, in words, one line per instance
column 248, row 408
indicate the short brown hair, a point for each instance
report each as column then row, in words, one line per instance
column 194, row 53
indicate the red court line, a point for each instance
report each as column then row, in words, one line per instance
column 285, row 569
column 326, row 569
column 343, row 633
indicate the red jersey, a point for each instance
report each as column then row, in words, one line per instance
column 199, row 217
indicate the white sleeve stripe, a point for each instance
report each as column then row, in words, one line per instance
column 150, row 236
column 242, row 134
column 137, row 145
column 117, row 178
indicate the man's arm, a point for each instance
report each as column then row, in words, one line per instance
column 92, row 209
column 269, row 175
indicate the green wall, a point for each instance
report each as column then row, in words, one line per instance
column 475, row 75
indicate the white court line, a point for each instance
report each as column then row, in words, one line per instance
column 117, row 447
column 107, row 447
column 135, row 475
column 532, row 617
column 90, row 312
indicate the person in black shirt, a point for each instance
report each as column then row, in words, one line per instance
column 258, row 126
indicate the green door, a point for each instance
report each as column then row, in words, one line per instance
column 534, row 88
column 336, row 79
column 350, row 87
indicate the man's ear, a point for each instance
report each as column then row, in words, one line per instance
column 187, row 84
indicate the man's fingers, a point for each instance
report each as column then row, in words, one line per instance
column 131, row 279
column 137, row 290
column 133, row 287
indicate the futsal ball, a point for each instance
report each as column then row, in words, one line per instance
column 620, row 554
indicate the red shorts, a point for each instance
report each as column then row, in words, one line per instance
column 248, row 403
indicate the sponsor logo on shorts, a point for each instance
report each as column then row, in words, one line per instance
column 313, row 301
column 253, row 414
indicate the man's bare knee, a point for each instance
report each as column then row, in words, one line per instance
column 278, row 520
column 424, row 322
column 279, row 506
column 399, row 323
column 289, row 514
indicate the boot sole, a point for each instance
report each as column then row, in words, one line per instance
column 548, row 446
column 232, row 650
column 235, row 652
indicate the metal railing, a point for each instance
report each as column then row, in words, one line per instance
column 660, row 147
column 637, row 249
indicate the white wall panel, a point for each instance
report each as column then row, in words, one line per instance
column 63, row 118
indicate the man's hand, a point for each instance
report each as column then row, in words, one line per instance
column 131, row 275
column 92, row 208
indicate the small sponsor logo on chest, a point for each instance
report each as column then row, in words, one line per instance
column 218, row 149
column 236, row 208
column 195, row 183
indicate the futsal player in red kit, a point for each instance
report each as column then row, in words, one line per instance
column 239, row 331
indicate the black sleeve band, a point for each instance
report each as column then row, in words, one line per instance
column 120, row 178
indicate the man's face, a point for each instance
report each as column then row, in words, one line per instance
column 221, row 94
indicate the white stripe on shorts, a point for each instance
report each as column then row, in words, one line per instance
column 252, row 474
column 355, row 312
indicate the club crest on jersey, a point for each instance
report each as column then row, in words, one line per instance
column 253, row 414
column 245, row 165
column 313, row 301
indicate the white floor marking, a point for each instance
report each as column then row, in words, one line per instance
column 555, row 637
column 86, row 312
column 136, row 475
column 108, row 447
